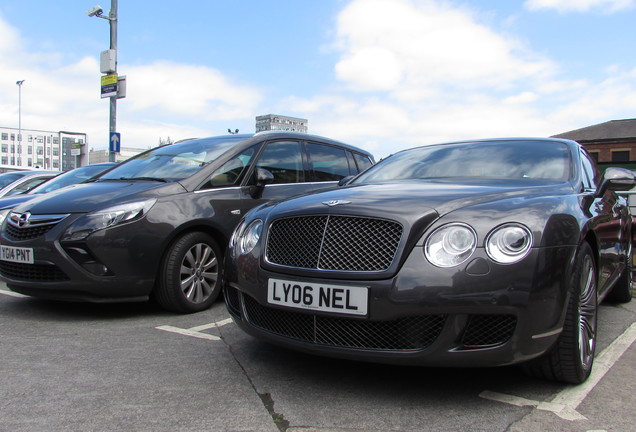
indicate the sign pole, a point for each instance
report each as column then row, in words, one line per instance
column 113, row 46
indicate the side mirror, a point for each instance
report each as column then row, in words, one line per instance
column 616, row 179
column 263, row 177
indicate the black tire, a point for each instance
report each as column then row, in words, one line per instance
column 190, row 274
column 570, row 359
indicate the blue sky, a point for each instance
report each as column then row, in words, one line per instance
column 382, row 74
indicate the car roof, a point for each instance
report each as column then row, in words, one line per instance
column 311, row 137
column 259, row 136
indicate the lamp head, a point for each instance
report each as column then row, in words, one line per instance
column 95, row 11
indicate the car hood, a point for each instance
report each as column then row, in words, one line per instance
column 12, row 201
column 87, row 197
column 407, row 199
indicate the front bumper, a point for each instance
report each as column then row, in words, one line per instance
column 113, row 265
column 480, row 314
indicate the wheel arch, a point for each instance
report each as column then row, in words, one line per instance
column 193, row 226
column 592, row 240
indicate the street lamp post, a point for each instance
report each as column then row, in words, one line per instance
column 19, row 84
column 112, row 19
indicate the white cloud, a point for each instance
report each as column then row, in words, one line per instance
column 189, row 90
column 389, row 44
column 10, row 40
column 408, row 72
column 371, row 68
column 164, row 99
column 524, row 97
column 418, row 72
column 580, row 5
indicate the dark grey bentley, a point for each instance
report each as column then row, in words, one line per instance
column 479, row 253
column 159, row 223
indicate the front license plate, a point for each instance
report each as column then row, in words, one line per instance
column 328, row 298
column 16, row 254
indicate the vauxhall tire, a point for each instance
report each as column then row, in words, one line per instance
column 190, row 274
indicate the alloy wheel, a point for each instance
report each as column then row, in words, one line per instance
column 587, row 313
column 199, row 273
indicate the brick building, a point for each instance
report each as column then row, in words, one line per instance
column 610, row 143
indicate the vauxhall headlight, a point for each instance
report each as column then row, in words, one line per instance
column 450, row 245
column 509, row 243
column 106, row 218
column 248, row 237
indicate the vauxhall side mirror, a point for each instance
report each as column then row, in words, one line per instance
column 263, row 177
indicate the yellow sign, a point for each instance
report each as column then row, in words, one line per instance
column 109, row 79
column 109, row 85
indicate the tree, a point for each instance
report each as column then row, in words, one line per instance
column 167, row 141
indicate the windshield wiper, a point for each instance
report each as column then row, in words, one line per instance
column 156, row 179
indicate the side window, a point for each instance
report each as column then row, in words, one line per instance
column 591, row 174
column 231, row 172
column 362, row 161
column 27, row 186
column 284, row 160
column 328, row 163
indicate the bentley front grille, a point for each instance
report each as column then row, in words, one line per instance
column 344, row 243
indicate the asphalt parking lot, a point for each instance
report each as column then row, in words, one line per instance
column 87, row 367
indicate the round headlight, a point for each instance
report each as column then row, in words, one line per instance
column 234, row 239
column 509, row 243
column 250, row 236
column 450, row 245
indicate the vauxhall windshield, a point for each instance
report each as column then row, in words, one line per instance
column 173, row 162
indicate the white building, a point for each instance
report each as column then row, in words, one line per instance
column 269, row 122
column 50, row 150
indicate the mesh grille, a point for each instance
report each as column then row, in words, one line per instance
column 333, row 243
column 232, row 302
column 15, row 233
column 408, row 333
column 32, row 272
column 295, row 242
column 488, row 330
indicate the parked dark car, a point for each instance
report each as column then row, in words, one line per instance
column 18, row 182
column 479, row 253
column 159, row 223
column 67, row 178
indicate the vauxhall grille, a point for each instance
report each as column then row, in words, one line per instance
column 25, row 226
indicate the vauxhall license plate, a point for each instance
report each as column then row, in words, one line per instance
column 16, row 254
column 350, row 300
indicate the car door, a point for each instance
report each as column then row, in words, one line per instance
column 285, row 160
column 328, row 164
column 610, row 215
column 231, row 190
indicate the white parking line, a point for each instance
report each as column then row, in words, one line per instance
column 11, row 293
column 196, row 331
column 565, row 402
